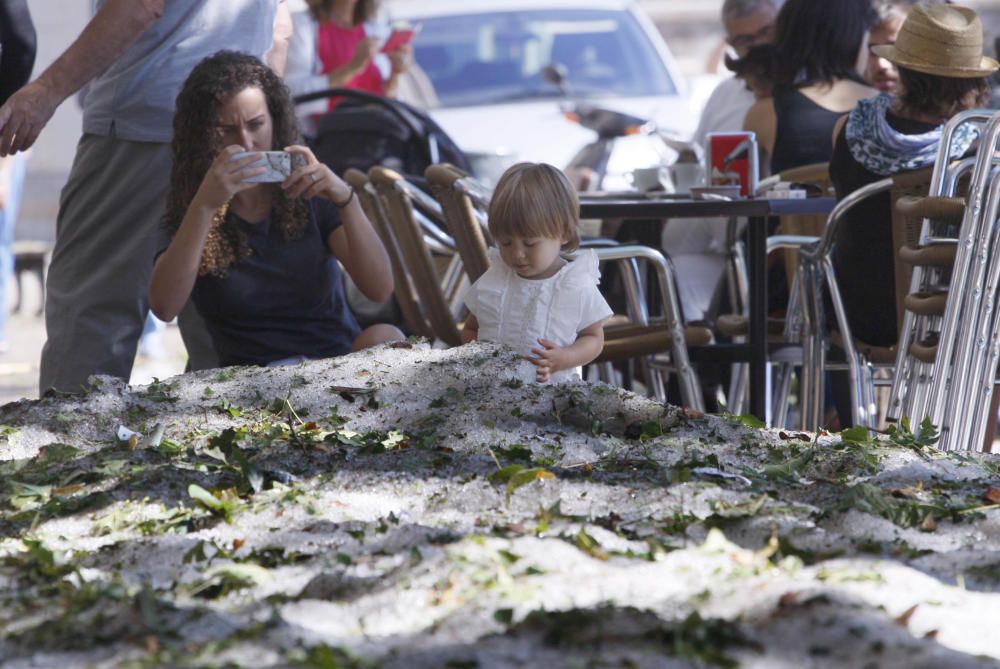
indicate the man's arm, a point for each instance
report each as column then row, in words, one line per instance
column 113, row 29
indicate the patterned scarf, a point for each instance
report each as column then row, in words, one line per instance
column 884, row 151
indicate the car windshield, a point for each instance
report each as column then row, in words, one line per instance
column 500, row 56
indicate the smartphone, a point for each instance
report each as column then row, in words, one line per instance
column 279, row 164
column 400, row 36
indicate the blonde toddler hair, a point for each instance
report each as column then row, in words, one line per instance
column 535, row 200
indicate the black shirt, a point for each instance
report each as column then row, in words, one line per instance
column 863, row 257
column 803, row 130
column 286, row 299
column 17, row 46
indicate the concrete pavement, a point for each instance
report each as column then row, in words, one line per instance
column 26, row 335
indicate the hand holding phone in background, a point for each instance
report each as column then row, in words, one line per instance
column 402, row 35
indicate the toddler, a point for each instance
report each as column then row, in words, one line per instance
column 531, row 298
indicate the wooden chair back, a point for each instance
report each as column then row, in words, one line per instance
column 414, row 254
column 909, row 205
column 405, row 292
column 460, row 215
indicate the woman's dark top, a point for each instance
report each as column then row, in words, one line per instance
column 17, row 46
column 863, row 254
column 802, row 132
column 285, row 300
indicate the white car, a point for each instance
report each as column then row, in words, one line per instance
column 486, row 58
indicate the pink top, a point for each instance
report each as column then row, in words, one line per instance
column 336, row 47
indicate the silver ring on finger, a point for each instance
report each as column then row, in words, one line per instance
column 313, row 177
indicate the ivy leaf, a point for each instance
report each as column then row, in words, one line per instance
column 223, row 503
column 856, row 435
column 925, row 436
column 526, row 476
column 517, row 476
column 26, row 494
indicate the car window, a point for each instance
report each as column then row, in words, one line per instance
column 498, row 56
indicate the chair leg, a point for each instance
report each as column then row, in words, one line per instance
column 738, row 386
column 607, row 371
column 782, row 390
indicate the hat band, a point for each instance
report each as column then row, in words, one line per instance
column 946, row 56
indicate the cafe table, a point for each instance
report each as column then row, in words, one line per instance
column 757, row 211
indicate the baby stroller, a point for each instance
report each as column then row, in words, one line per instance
column 366, row 130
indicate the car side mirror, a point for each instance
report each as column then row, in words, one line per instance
column 555, row 74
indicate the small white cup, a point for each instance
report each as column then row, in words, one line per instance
column 649, row 178
column 685, row 175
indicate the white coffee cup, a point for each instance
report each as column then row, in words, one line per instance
column 685, row 175
column 649, row 178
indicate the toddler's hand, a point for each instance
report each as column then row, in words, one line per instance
column 549, row 360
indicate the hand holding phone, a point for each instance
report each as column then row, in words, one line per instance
column 279, row 165
column 400, row 37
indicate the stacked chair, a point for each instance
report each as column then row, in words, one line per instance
column 947, row 358
column 660, row 344
column 932, row 266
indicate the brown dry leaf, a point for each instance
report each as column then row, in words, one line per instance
column 788, row 599
column 400, row 344
column 152, row 644
column 910, row 491
column 992, row 496
column 928, row 524
column 691, row 413
column 903, row 619
column 931, row 635
column 238, row 544
column 133, row 441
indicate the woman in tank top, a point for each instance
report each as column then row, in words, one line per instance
column 822, row 50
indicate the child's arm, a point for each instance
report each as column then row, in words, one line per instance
column 551, row 358
column 471, row 330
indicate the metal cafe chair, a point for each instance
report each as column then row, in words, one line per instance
column 910, row 205
column 794, row 232
column 816, row 272
column 659, row 343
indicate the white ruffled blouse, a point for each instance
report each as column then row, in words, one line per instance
column 518, row 312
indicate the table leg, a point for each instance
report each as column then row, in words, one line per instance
column 757, row 240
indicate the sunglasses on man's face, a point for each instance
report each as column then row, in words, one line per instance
column 745, row 41
column 871, row 48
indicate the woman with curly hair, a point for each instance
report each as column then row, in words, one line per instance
column 255, row 258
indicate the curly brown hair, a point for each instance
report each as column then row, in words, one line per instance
column 198, row 140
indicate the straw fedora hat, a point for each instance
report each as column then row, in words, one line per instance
column 945, row 40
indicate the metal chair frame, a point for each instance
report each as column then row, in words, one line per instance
column 956, row 390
